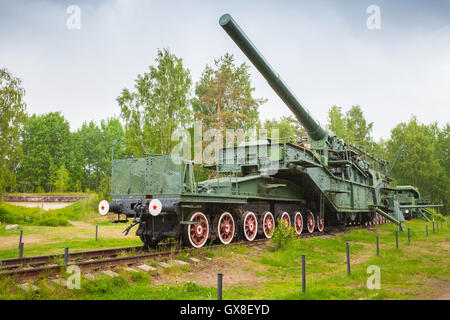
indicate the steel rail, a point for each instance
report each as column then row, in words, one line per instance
column 46, row 259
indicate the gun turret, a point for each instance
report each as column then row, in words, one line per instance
column 315, row 131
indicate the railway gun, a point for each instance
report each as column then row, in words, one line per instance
column 318, row 183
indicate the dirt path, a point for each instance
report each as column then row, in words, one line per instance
column 77, row 230
column 237, row 270
column 441, row 289
column 7, row 242
column 445, row 295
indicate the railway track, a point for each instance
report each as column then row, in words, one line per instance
column 35, row 261
column 37, row 266
column 91, row 261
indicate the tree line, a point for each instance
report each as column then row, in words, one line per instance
column 39, row 153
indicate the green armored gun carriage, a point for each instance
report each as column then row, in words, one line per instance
column 311, row 186
column 413, row 205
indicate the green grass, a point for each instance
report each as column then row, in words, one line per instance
column 118, row 289
column 125, row 287
column 406, row 272
column 183, row 256
column 41, row 240
column 403, row 270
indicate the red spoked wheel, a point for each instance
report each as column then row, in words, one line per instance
column 226, row 228
column 310, row 222
column 298, row 223
column 268, row 224
column 250, row 226
column 198, row 233
column 320, row 224
column 285, row 217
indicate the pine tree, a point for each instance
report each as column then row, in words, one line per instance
column 224, row 96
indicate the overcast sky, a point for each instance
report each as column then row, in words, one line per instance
column 322, row 49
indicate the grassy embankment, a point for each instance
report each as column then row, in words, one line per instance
column 418, row 270
column 72, row 226
column 80, row 210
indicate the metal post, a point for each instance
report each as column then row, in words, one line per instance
column 348, row 258
column 433, row 226
column 96, row 233
column 426, row 228
column 396, row 239
column 66, row 255
column 409, row 237
column 21, row 250
column 303, row 274
column 20, row 237
column 378, row 246
column 219, row 286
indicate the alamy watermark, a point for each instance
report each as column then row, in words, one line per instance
column 373, row 21
column 74, row 280
column 374, row 280
column 227, row 147
column 73, row 21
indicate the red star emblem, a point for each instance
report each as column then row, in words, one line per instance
column 103, row 208
column 155, row 207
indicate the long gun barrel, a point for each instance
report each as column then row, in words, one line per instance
column 315, row 131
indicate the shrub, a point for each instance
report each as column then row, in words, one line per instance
column 52, row 222
column 283, row 235
column 105, row 284
column 13, row 214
